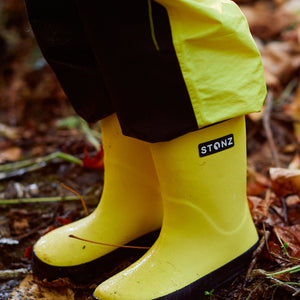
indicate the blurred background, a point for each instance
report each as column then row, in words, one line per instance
column 26, row 83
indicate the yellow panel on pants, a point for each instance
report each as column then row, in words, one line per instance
column 220, row 62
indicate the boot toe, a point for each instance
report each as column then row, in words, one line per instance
column 127, row 286
column 98, row 269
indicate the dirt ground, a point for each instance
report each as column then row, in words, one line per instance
column 36, row 121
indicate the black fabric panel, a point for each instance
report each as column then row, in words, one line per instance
column 146, row 86
column 104, row 56
column 61, row 37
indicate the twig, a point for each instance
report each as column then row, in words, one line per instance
column 286, row 93
column 291, row 270
column 254, row 260
column 13, row 274
column 29, row 165
column 286, row 285
column 106, row 244
column 258, row 251
column 254, row 290
column 266, row 235
column 276, row 282
column 22, row 171
column 78, row 195
column 266, row 123
column 284, row 210
column 283, row 245
column 27, row 162
column 296, row 293
column 37, row 200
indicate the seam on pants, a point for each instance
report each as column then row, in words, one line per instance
column 152, row 25
column 180, row 55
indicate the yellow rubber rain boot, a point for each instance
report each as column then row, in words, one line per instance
column 208, row 235
column 130, row 208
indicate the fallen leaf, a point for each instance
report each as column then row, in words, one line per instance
column 291, row 236
column 96, row 162
column 259, row 208
column 265, row 22
column 256, row 182
column 28, row 252
column 280, row 62
column 285, row 182
column 64, row 221
column 275, row 251
column 20, row 225
column 30, row 290
column 10, row 154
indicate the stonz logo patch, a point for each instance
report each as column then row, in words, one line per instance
column 217, row 145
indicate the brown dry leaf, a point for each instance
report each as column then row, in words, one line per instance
column 259, row 208
column 265, row 22
column 256, row 182
column 280, row 61
column 10, row 154
column 275, row 251
column 285, row 182
column 20, row 225
column 30, row 290
column 291, row 236
column 295, row 163
column 294, row 214
column 285, row 277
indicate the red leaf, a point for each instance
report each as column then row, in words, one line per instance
column 50, row 228
column 63, row 221
column 28, row 252
column 96, row 162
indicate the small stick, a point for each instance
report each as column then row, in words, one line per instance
column 13, row 274
column 81, row 199
column 266, row 123
column 254, row 290
column 284, row 210
column 254, row 260
column 296, row 293
column 106, row 244
column 286, row 285
column 38, row 200
column 27, row 162
column 266, row 235
column 20, row 172
column 256, row 254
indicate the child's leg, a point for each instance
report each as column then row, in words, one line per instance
column 130, row 207
column 208, row 235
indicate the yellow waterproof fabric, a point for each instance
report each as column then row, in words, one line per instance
column 220, row 62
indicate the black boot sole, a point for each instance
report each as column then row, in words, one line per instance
column 196, row 290
column 98, row 269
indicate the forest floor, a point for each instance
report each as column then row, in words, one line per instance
column 43, row 144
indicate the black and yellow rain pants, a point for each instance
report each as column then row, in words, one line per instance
column 166, row 67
